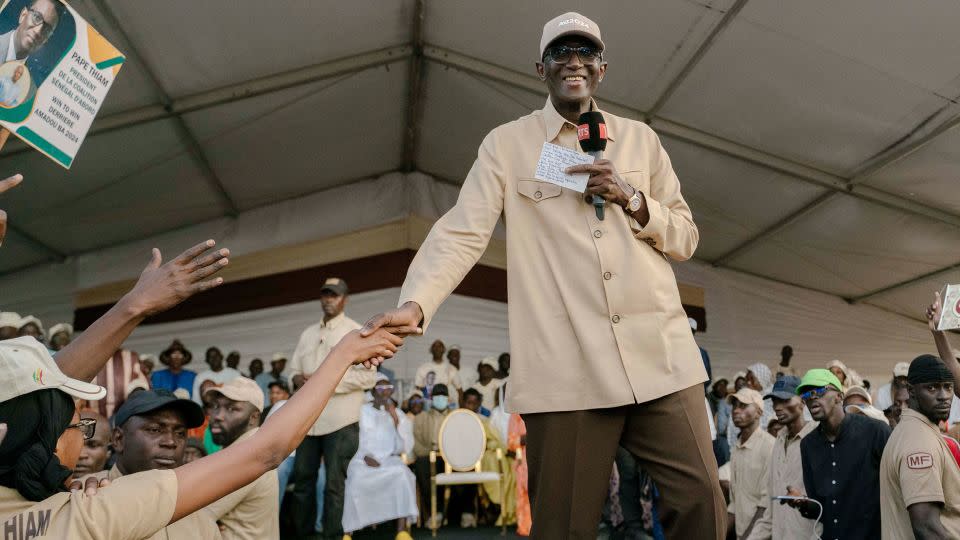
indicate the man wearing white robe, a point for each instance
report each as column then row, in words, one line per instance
column 380, row 487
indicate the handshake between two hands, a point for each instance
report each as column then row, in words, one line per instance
column 382, row 335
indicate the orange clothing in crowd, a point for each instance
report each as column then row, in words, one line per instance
column 515, row 431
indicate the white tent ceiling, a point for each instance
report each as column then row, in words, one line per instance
column 814, row 140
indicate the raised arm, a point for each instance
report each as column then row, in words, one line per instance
column 940, row 337
column 454, row 245
column 202, row 482
column 160, row 287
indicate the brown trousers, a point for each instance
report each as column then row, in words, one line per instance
column 570, row 457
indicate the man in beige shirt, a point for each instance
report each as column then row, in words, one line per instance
column 749, row 463
column 786, row 470
column 919, row 478
column 253, row 511
column 601, row 347
column 151, row 433
column 335, row 436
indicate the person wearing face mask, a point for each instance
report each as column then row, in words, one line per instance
column 426, row 430
column 379, row 485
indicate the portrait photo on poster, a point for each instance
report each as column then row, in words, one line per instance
column 35, row 34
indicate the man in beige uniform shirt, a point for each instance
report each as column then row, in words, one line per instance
column 151, row 433
column 780, row 521
column 335, row 436
column 602, row 350
column 919, row 478
column 749, row 462
column 253, row 511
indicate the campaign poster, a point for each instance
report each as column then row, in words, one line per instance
column 55, row 72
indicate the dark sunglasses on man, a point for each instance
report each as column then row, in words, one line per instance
column 814, row 392
column 562, row 54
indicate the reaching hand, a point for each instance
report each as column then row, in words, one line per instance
column 402, row 321
column 161, row 287
column 934, row 311
column 370, row 461
column 377, row 346
column 5, row 185
column 793, row 492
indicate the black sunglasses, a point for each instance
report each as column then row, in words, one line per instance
column 562, row 54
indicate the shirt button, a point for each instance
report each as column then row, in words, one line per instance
column 831, row 445
column 834, row 482
column 615, row 319
column 607, row 275
column 834, row 463
column 597, row 233
column 834, row 520
column 537, row 195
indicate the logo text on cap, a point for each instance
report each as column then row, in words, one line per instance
column 577, row 22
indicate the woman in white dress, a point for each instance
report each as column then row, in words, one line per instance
column 380, row 487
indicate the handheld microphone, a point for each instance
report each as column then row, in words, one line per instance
column 592, row 134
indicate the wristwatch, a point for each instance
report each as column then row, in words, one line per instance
column 635, row 201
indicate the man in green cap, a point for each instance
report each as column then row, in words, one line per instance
column 841, row 462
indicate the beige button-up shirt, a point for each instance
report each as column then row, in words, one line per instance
column 749, row 476
column 917, row 466
column 315, row 344
column 594, row 314
column 780, row 521
column 253, row 511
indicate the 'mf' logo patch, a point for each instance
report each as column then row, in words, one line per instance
column 920, row 460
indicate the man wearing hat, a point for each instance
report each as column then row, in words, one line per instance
column 487, row 385
column 335, row 436
column 841, row 462
column 174, row 357
column 9, row 324
column 779, row 521
column 59, row 336
column 151, row 433
column 885, row 393
column 604, row 354
column 31, row 326
column 919, row 479
column 856, row 400
column 277, row 365
column 749, row 462
column 251, row 512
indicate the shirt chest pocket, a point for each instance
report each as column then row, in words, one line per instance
column 537, row 191
column 637, row 178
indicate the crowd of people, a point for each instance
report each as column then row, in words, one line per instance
column 364, row 462
column 823, row 442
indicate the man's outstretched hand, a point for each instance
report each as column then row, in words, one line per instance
column 162, row 286
column 403, row 321
column 5, row 185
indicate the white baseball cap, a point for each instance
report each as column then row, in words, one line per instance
column 26, row 366
column 9, row 318
column 490, row 361
column 569, row 24
column 240, row 389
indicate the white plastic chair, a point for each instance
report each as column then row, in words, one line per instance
column 462, row 442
